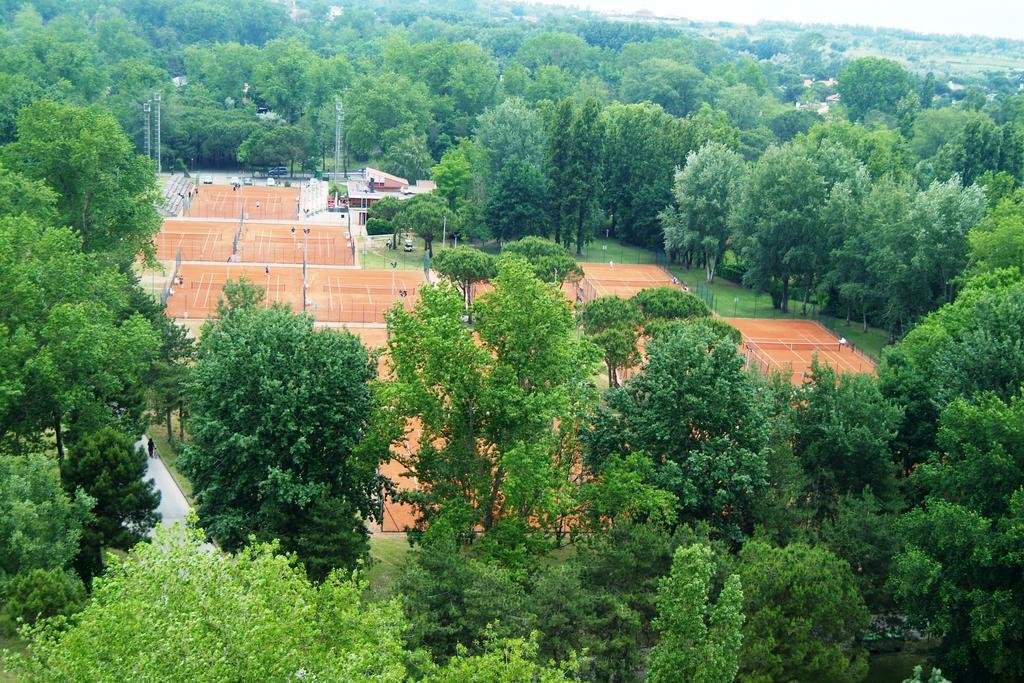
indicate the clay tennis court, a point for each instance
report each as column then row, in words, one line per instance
column 625, row 280
column 198, row 240
column 257, row 203
column 276, row 243
column 788, row 346
column 332, row 294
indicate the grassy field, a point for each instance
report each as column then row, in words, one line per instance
column 388, row 554
column 374, row 255
column 603, row 250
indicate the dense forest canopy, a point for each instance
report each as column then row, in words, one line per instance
column 604, row 492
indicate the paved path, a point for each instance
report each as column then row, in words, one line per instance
column 173, row 506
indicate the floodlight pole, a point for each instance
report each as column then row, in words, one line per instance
column 339, row 129
column 159, row 156
column 305, row 255
column 147, row 110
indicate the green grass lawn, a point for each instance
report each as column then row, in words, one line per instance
column 603, row 250
column 169, row 453
column 374, row 255
column 388, row 554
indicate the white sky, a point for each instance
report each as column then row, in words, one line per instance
column 1001, row 18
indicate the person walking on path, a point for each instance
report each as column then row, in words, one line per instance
column 150, row 446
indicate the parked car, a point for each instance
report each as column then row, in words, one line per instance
column 278, row 172
column 271, row 182
column 235, row 180
column 247, row 181
column 407, row 246
column 207, row 180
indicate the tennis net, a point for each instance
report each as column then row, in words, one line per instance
column 767, row 344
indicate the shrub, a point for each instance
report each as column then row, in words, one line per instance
column 669, row 302
column 37, row 594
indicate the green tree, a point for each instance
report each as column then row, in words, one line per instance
column 620, row 571
column 71, row 349
column 382, row 218
column 970, row 346
column 39, row 594
column 550, row 261
column 106, row 191
column 882, row 150
column 277, row 410
column 586, row 162
column 944, row 214
column 863, row 532
column 223, row 68
column 108, row 467
column 20, row 196
column 561, row 179
column 613, row 324
column 454, row 175
column 505, row 660
column 706, row 192
column 803, row 615
column 168, row 374
column 959, row 575
column 40, row 525
column 498, row 407
column 643, row 145
column 997, row 241
column 426, row 215
column 873, row 83
column 253, row 616
column 384, row 108
column 453, row 599
column 776, row 219
column 973, row 150
column 699, row 642
column 409, row 158
column 661, row 304
column 281, row 77
column 693, row 410
column 277, row 145
column 515, row 207
column 511, row 131
column 844, row 430
column 465, row 267
column 672, row 85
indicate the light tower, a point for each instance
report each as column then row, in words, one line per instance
column 147, row 109
column 156, row 98
column 339, row 133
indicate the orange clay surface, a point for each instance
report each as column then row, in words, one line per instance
column 199, row 240
column 623, row 280
column 761, row 347
column 332, row 294
column 221, row 201
column 268, row 243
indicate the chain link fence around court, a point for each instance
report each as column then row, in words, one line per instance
column 356, row 313
column 728, row 307
column 166, row 293
column 321, row 251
